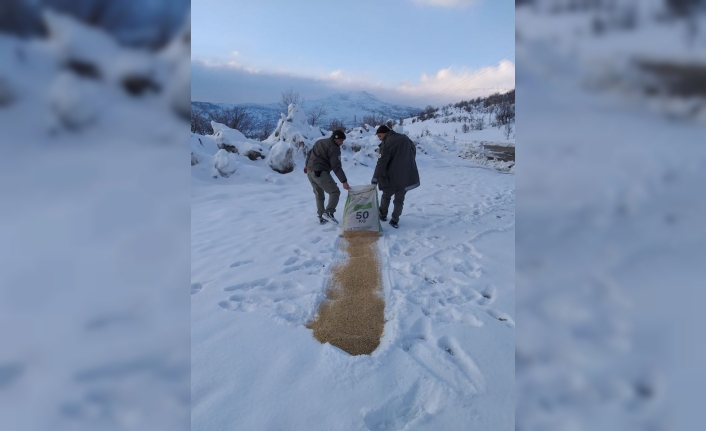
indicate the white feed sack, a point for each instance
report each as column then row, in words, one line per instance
column 361, row 210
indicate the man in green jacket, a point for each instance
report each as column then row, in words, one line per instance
column 324, row 157
column 396, row 171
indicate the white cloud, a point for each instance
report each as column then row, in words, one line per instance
column 234, row 82
column 448, row 85
column 447, row 3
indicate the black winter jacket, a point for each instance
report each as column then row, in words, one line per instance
column 397, row 166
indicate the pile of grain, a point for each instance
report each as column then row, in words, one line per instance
column 353, row 315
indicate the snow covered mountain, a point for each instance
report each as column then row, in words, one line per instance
column 349, row 108
column 352, row 107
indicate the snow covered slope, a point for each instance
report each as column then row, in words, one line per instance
column 260, row 264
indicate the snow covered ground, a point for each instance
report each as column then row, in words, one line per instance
column 610, row 235
column 94, row 235
column 260, row 263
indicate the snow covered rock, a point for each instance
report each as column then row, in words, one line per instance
column 282, row 157
column 234, row 141
column 222, row 164
column 203, row 151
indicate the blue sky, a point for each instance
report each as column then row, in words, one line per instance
column 415, row 52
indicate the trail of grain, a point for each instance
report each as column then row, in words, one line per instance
column 353, row 315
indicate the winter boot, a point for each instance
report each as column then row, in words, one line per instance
column 329, row 215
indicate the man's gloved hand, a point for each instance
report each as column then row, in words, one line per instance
column 305, row 170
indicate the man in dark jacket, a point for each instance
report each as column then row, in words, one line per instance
column 396, row 171
column 324, row 157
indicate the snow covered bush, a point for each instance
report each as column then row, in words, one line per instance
column 282, row 157
column 295, row 130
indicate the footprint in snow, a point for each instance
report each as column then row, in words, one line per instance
column 443, row 359
column 240, row 263
column 248, row 285
column 315, row 266
column 420, row 401
column 280, row 299
column 487, row 295
column 503, row 317
column 196, row 288
column 291, row 260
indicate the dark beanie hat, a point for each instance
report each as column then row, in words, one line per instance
column 382, row 129
column 338, row 134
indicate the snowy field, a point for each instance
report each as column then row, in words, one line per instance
column 94, row 235
column 260, row 263
column 610, row 232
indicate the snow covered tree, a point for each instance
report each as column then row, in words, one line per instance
column 505, row 113
column 316, row 113
column 266, row 130
column 200, row 122
column 336, row 124
column 373, row 120
column 290, row 97
column 237, row 118
column 508, row 130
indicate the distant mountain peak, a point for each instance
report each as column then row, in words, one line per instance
column 357, row 95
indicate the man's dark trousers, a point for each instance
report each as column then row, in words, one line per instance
column 387, row 194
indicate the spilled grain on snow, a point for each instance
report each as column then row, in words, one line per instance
column 352, row 316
